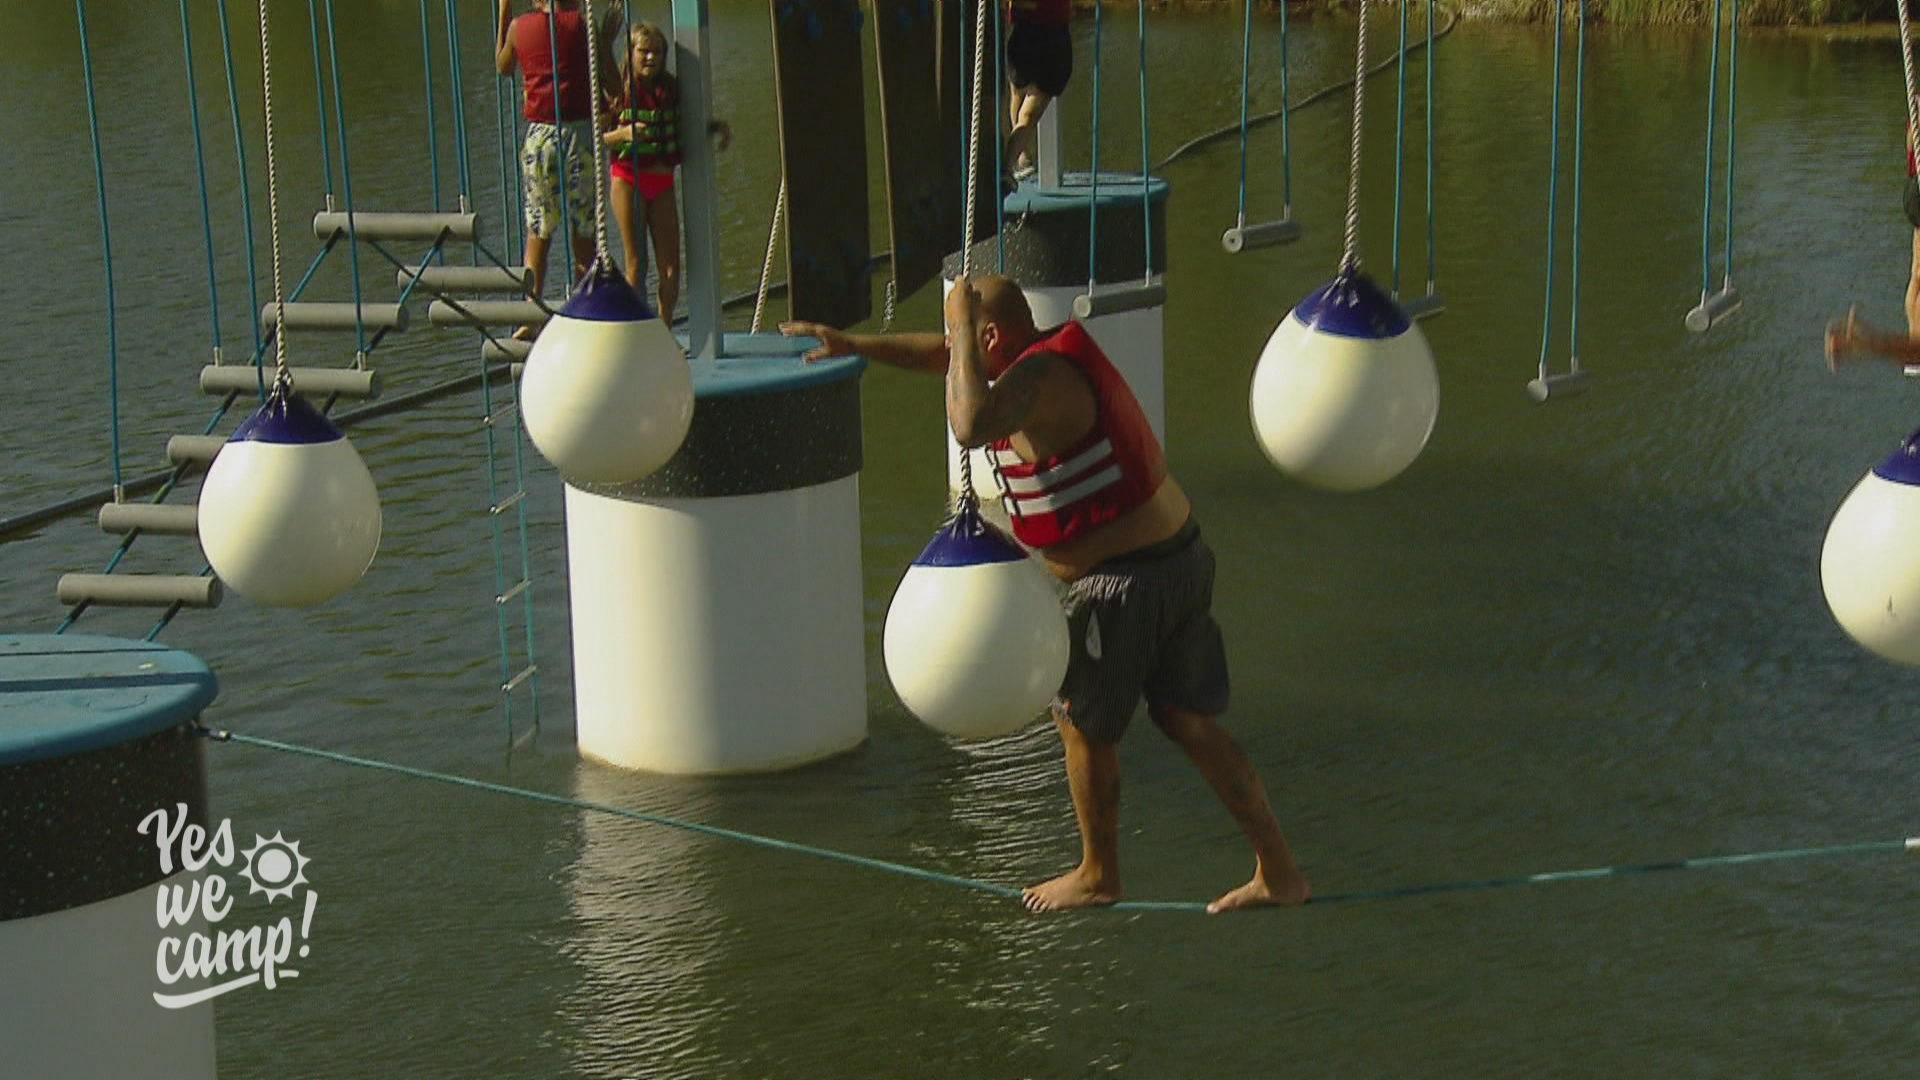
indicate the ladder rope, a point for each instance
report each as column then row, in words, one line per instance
column 433, row 134
column 106, row 249
column 346, row 188
column 1246, row 68
column 1706, row 199
column 200, row 165
column 1399, row 145
column 281, row 375
column 246, row 195
column 1146, row 166
column 320, row 102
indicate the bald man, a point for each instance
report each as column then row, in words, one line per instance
column 1087, row 488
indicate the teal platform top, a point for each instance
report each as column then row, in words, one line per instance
column 766, row 364
column 1117, row 191
column 66, row 694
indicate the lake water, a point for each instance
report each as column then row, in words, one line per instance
column 1571, row 635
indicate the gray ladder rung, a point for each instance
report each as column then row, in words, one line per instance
column 494, row 350
column 507, row 503
column 329, row 315
column 312, row 382
column 381, row 226
column 158, row 518
column 487, row 313
column 140, row 590
column 467, row 279
column 525, row 674
column 523, row 586
column 194, row 449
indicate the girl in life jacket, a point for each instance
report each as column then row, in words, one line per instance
column 644, row 139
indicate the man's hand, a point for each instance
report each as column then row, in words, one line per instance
column 833, row 343
column 963, row 309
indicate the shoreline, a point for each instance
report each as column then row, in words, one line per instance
column 1820, row 17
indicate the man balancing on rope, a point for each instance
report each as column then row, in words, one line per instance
column 1089, row 488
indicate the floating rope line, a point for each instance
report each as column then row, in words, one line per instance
column 1881, row 847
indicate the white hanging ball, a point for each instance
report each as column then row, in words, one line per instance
column 606, row 394
column 1870, row 563
column 975, row 641
column 289, row 515
column 1345, row 393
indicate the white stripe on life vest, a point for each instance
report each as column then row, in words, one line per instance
column 1063, row 472
column 1067, row 496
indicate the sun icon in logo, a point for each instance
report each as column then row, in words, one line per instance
column 274, row 867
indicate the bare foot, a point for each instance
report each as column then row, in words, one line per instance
column 525, row 333
column 1287, row 892
column 1073, row 889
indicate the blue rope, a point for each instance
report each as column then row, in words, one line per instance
column 1733, row 85
column 346, row 185
column 200, row 163
column 320, row 102
column 1706, row 199
column 1246, row 64
column 1579, row 130
column 246, row 196
column 1553, row 192
column 1093, row 196
column 1146, row 161
column 1879, row 847
column 565, row 225
column 106, row 248
column 1399, row 145
column 1429, row 147
column 457, row 89
column 433, row 135
column 1286, row 163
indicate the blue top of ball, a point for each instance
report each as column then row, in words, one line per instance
column 1903, row 465
column 967, row 539
column 288, row 420
column 1351, row 305
column 604, row 296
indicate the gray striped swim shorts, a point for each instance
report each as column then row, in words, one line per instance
column 1141, row 625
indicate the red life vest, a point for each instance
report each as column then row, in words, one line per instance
column 1117, row 466
column 533, row 45
column 656, row 108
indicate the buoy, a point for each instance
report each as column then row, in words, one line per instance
column 975, row 641
column 607, row 395
column 289, row 515
column 1870, row 563
column 1345, row 393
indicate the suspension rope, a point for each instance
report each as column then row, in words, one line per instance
column 1246, row 67
column 246, row 195
column 1351, row 258
column 1146, row 167
column 1553, row 184
column 1880, row 847
column 282, row 379
column 766, row 267
column 1906, row 68
column 1733, row 87
column 1579, row 131
column 1429, row 59
column 967, row 497
column 600, row 241
column 1093, row 195
column 346, row 189
column 999, row 160
column 1706, row 200
column 320, row 101
column 457, row 90
column 1399, row 145
column 200, row 164
column 106, row 249
column 433, row 135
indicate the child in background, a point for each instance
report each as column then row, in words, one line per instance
column 645, row 140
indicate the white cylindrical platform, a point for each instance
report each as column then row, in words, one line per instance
column 1047, row 256
column 93, row 737
column 718, row 624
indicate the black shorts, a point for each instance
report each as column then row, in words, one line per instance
column 1040, row 57
column 1142, row 625
column 1913, row 202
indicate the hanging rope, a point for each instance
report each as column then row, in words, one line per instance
column 433, row 134
column 968, row 499
column 1351, row 259
column 457, row 91
column 246, row 195
column 1706, row 200
column 1430, row 275
column 106, row 250
column 1093, row 195
column 1399, row 145
column 1543, row 387
column 1906, row 69
column 346, row 189
column 320, row 102
column 200, row 165
column 282, row 378
column 1246, row 68
column 600, row 241
column 1146, row 166
column 766, row 267
column 1901, row 846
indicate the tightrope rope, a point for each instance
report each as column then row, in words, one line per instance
column 1879, row 847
